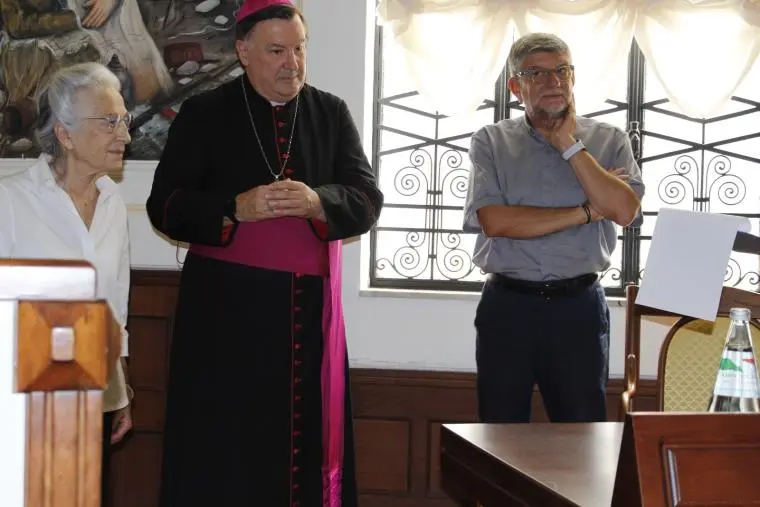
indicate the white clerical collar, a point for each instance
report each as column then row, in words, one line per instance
column 276, row 103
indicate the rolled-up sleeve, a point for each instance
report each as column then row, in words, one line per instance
column 626, row 159
column 123, row 301
column 484, row 188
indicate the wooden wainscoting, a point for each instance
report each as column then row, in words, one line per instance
column 397, row 417
column 397, row 414
column 136, row 464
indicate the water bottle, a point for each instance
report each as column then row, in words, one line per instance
column 737, row 387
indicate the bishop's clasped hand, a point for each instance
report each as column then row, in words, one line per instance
column 286, row 198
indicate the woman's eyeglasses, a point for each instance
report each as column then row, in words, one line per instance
column 111, row 121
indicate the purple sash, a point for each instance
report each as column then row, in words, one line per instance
column 282, row 244
column 289, row 244
column 333, row 381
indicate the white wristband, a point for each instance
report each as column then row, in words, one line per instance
column 578, row 146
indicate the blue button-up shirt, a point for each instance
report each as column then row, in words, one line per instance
column 513, row 164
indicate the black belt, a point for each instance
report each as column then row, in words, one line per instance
column 549, row 288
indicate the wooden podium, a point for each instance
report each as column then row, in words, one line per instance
column 656, row 459
column 64, row 344
column 671, row 459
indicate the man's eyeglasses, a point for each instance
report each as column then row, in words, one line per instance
column 111, row 121
column 542, row 76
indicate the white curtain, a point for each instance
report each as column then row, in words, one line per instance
column 698, row 53
column 599, row 27
column 698, row 50
column 454, row 49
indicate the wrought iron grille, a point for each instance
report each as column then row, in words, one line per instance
column 421, row 159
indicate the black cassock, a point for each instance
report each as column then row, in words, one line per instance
column 243, row 421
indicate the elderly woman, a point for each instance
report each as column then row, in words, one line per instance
column 66, row 207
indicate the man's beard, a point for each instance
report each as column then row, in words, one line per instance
column 554, row 114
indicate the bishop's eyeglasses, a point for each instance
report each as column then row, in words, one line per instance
column 543, row 76
column 111, row 121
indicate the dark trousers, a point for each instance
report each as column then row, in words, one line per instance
column 559, row 343
column 107, row 430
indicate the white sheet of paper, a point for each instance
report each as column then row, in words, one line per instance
column 687, row 261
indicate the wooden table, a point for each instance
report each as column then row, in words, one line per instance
column 543, row 465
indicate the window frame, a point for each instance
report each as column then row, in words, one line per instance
column 629, row 238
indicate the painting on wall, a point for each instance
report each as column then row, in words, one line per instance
column 163, row 51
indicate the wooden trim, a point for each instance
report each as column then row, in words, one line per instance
column 733, row 297
column 688, row 459
column 65, row 404
column 431, row 379
column 62, row 345
column 155, row 277
column 63, row 456
column 631, row 364
column 458, row 380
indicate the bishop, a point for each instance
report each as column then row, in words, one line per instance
column 263, row 177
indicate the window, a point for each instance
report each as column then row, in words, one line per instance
column 421, row 158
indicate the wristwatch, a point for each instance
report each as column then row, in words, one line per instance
column 230, row 210
column 572, row 150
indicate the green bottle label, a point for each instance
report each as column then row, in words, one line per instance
column 737, row 375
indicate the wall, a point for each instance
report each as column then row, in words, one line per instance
column 385, row 329
column 13, row 410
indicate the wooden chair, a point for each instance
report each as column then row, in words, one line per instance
column 688, row 364
column 58, row 347
column 689, row 355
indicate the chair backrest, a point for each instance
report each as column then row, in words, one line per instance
column 689, row 360
column 730, row 297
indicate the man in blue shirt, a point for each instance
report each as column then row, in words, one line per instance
column 545, row 193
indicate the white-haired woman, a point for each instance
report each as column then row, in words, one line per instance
column 66, row 207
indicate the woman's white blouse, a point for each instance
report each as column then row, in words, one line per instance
column 38, row 220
